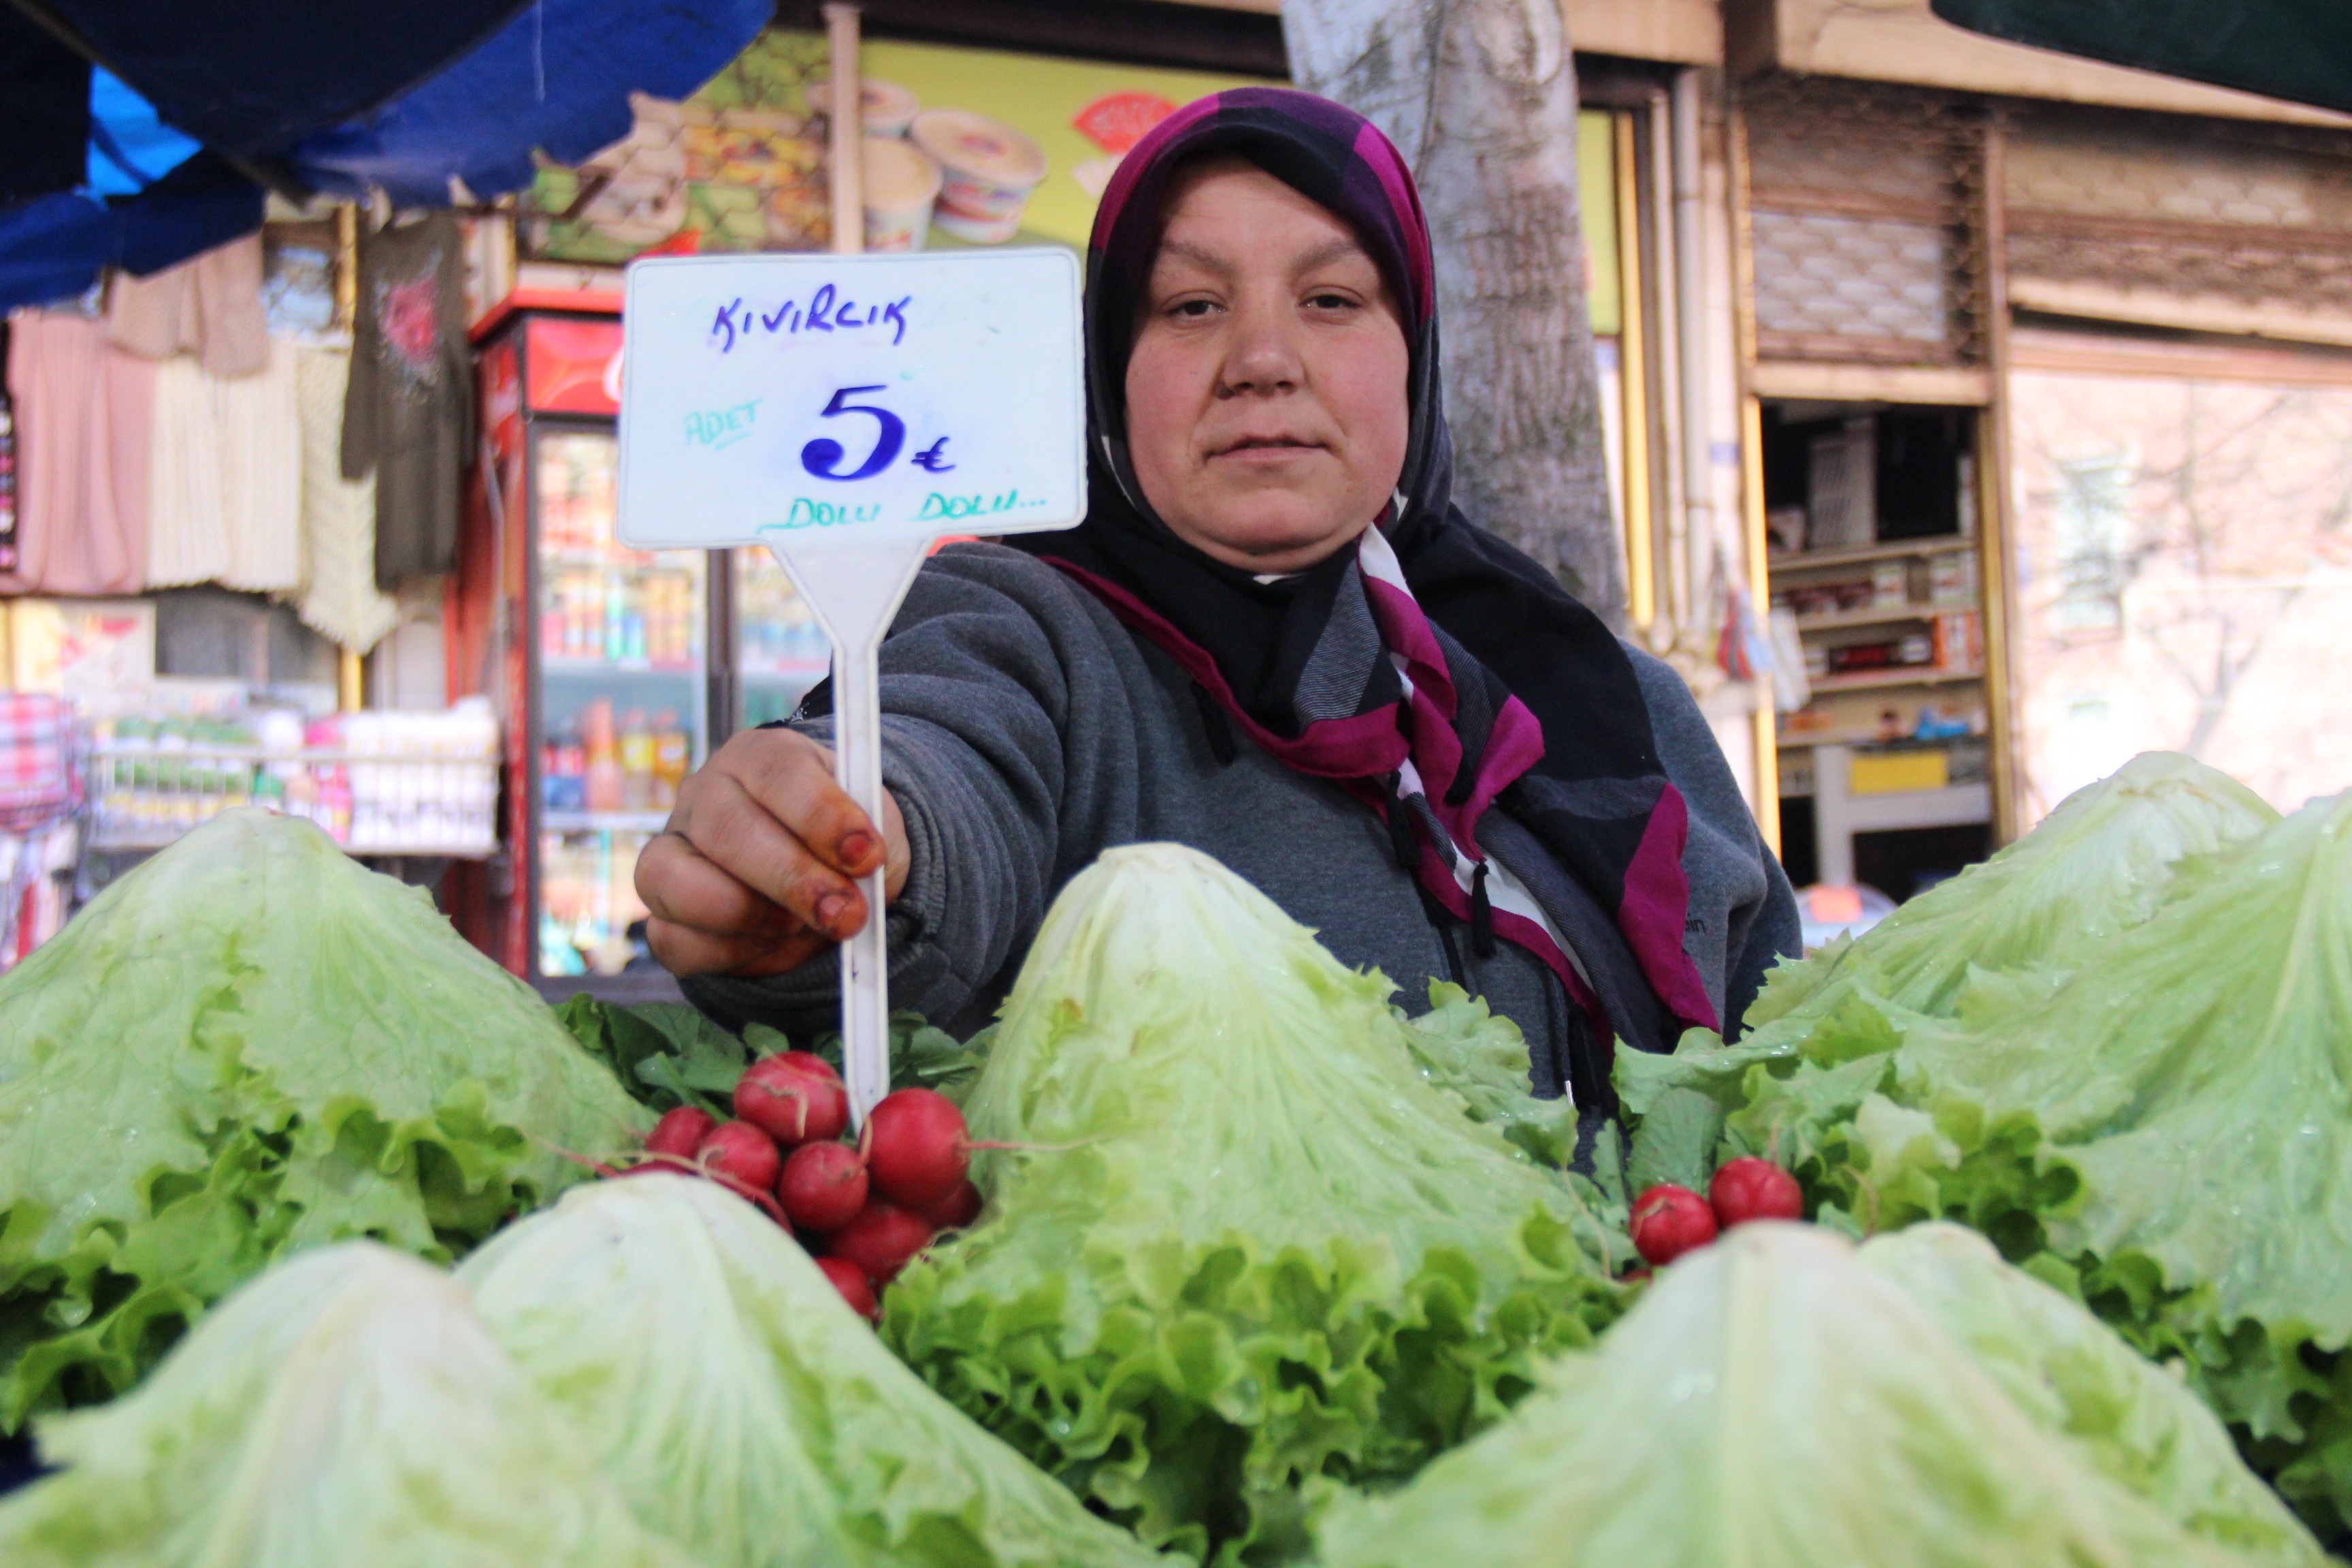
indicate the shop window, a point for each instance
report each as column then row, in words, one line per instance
column 2183, row 552
column 2091, row 523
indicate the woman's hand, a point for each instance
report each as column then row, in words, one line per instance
column 754, row 874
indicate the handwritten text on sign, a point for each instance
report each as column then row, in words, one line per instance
column 886, row 394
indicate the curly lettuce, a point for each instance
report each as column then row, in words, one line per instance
column 2166, row 1129
column 249, row 1045
column 347, row 1407
column 1776, row 1402
column 741, row 1406
column 1242, row 1247
column 2096, row 865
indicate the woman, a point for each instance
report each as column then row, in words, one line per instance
column 1272, row 639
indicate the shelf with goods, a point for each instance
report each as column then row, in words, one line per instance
column 380, row 784
column 1877, row 584
column 780, row 649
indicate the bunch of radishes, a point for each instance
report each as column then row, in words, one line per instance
column 864, row 1209
column 1670, row 1220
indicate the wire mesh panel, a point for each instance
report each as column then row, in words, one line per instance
column 1863, row 197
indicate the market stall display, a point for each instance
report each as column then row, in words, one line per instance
column 347, row 1406
column 1265, row 1272
column 2153, row 1104
column 1244, row 1246
column 249, row 1045
column 1781, row 1400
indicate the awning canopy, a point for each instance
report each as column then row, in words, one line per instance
column 2300, row 50
column 135, row 133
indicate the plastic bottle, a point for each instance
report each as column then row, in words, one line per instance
column 616, row 614
column 603, row 774
column 637, row 749
column 673, row 755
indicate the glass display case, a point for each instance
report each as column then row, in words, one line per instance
column 628, row 666
column 620, row 640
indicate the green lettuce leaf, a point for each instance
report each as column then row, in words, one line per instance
column 1774, row 1403
column 1244, row 1243
column 744, row 1409
column 1461, row 1046
column 2138, row 1423
column 252, row 1044
column 2097, row 865
column 2167, row 1127
column 346, row 1408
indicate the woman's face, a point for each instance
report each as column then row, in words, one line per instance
column 1265, row 396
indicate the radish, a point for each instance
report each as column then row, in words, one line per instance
column 680, row 1131
column 1669, row 1221
column 915, row 1147
column 1752, row 1188
column 794, row 1097
column 956, row 1210
column 880, row 1239
column 742, row 1155
column 854, row 1287
column 823, row 1185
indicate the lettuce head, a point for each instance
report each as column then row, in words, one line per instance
column 345, row 1408
column 2095, row 866
column 248, row 1045
column 2167, row 1129
column 1242, row 1244
column 2134, row 1421
column 744, row 1409
column 1776, row 1402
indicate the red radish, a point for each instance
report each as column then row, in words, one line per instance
column 680, row 1131
column 956, row 1210
column 806, row 1061
column 823, row 1185
column 1752, row 1188
column 854, row 1287
column 740, row 1154
column 880, row 1239
column 794, row 1097
column 915, row 1147
column 1669, row 1221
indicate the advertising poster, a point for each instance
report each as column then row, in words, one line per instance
column 738, row 167
column 963, row 147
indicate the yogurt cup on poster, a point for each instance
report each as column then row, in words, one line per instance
column 901, row 185
column 883, row 108
column 989, row 169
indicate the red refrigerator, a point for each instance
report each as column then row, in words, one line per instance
column 617, row 670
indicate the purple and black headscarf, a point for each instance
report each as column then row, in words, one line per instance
column 1438, row 675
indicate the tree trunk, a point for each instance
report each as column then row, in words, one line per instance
column 1480, row 95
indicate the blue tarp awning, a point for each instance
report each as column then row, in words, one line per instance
column 135, row 133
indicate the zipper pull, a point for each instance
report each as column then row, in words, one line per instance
column 1482, row 914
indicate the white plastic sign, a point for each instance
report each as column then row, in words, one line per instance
column 850, row 396
column 844, row 412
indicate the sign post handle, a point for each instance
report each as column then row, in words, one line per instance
column 865, row 975
column 854, row 588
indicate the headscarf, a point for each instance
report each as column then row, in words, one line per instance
column 1434, row 672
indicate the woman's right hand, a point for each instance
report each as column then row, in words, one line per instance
column 755, row 873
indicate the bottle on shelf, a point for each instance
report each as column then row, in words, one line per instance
column 616, row 610
column 603, row 772
column 637, row 752
column 673, row 755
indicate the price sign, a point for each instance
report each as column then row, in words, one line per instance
column 840, row 398
column 844, row 412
